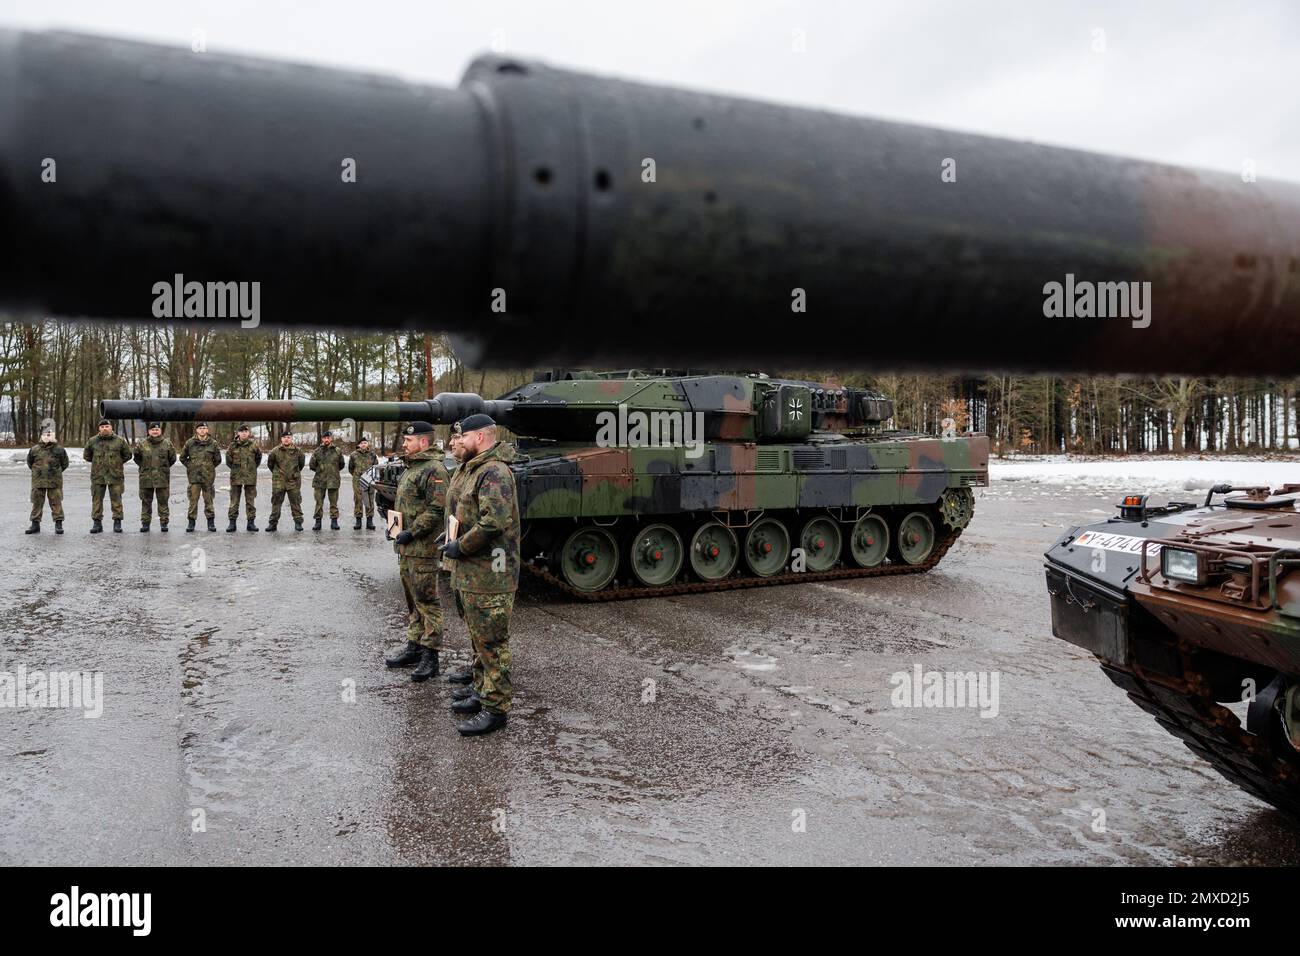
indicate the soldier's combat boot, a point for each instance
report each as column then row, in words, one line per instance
column 97, row 527
column 34, row 529
column 334, row 524
column 406, row 656
column 462, row 676
column 470, row 705
column 428, row 666
column 370, row 523
column 357, row 526
column 144, row 527
column 58, row 527
column 162, row 526
column 297, row 525
column 230, row 527
column 462, row 693
column 212, row 524
column 117, row 525
column 316, row 527
column 272, row 525
column 189, row 525
column 251, row 526
column 484, row 723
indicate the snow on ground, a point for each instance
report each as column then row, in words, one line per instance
column 1141, row 473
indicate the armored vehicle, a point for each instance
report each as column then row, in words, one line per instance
column 1193, row 610
column 635, row 484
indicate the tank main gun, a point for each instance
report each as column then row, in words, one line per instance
column 540, row 216
column 444, row 409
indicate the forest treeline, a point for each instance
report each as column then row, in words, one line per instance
column 60, row 370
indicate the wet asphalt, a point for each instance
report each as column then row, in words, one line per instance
column 248, row 718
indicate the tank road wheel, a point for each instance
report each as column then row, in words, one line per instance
column 820, row 540
column 957, row 506
column 656, row 555
column 589, row 558
column 713, row 551
column 869, row 541
column 915, row 538
column 767, row 546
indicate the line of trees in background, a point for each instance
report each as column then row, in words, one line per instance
column 60, row 370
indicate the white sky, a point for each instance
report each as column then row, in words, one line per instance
column 1193, row 83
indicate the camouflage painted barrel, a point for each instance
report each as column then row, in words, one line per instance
column 546, row 216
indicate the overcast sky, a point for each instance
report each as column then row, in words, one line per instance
column 1199, row 84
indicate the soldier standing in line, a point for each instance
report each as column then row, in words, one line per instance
column 286, row 463
column 446, row 594
column 48, row 460
column 485, row 552
column 242, row 457
column 155, row 456
column 107, row 454
column 326, row 465
column 361, row 460
column 421, row 501
column 201, row 455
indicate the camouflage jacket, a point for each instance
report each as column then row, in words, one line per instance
column 200, row 458
column 286, row 466
column 360, row 462
column 243, row 457
column 47, row 462
column 488, row 512
column 422, row 501
column 326, row 463
column 453, row 492
column 155, row 456
column 106, row 457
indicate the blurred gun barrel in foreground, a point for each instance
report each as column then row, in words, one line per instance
column 544, row 217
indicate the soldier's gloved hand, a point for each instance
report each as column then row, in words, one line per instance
column 405, row 537
column 452, row 550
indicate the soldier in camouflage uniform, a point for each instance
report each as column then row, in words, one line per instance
column 361, row 460
column 107, row 454
column 453, row 623
column 201, row 456
column 243, row 456
column 286, row 464
column 48, row 460
column 155, row 455
column 326, row 465
column 421, row 501
column 486, row 572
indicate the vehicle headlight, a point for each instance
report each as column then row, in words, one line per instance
column 1180, row 565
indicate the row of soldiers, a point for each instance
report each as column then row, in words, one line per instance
column 201, row 455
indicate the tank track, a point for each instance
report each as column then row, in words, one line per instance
column 941, row 546
column 1185, row 707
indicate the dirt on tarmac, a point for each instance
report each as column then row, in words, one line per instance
column 247, row 716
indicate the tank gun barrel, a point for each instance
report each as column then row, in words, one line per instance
column 545, row 217
column 444, row 409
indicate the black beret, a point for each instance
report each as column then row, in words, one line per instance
column 286, row 433
column 418, row 428
column 155, row 424
column 473, row 423
column 200, row 424
column 105, row 421
column 243, row 427
column 327, row 434
column 361, row 439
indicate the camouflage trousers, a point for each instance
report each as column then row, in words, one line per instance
column 487, row 617
column 362, row 496
column 147, row 498
column 206, row 491
column 424, row 617
column 320, row 494
column 295, row 503
column 250, row 501
column 55, row 496
column 453, row 621
column 97, row 500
